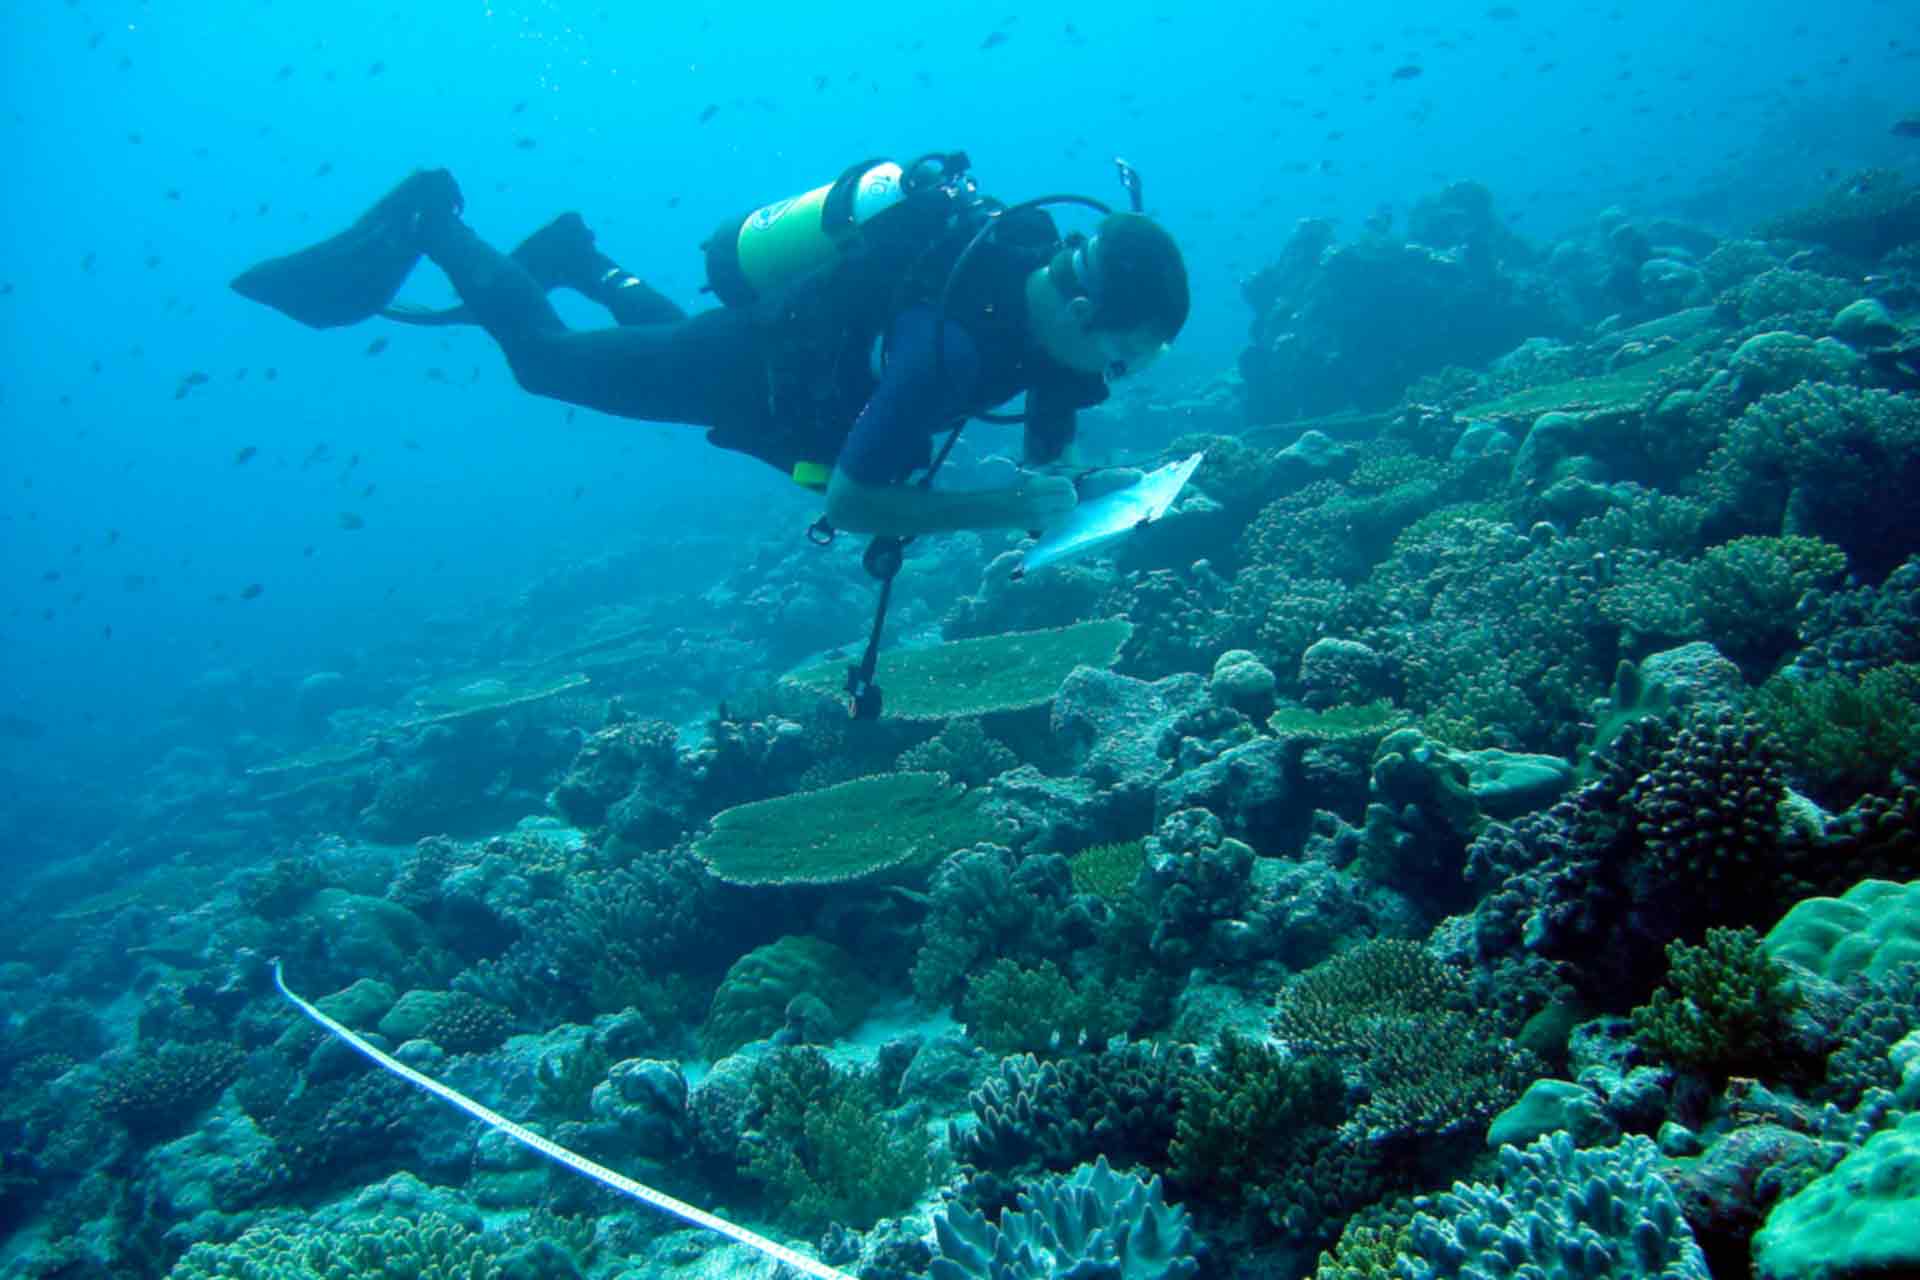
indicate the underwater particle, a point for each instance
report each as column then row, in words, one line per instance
column 526, row 144
column 376, row 68
column 1503, row 13
column 284, row 74
column 1408, row 71
column 271, row 374
column 1906, row 126
column 246, row 453
column 375, row 347
column 349, row 520
column 251, row 591
column 326, row 167
column 994, row 38
column 518, row 107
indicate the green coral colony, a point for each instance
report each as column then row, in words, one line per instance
column 1476, row 834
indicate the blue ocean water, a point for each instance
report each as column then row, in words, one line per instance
column 204, row 504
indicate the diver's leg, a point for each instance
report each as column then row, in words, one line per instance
column 705, row 370
column 564, row 253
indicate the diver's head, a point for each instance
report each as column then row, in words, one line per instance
column 1113, row 301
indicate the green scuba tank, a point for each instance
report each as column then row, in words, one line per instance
column 752, row 255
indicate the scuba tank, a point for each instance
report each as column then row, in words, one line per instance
column 755, row 254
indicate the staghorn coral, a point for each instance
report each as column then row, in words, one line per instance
column 1724, row 1010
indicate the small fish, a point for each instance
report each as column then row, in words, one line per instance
column 95, row 40
column 526, row 144
column 579, row 492
column 113, row 536
column 251, row 591
column 367, row 492
column 519, row 106
column 410, row 444
column 1906, row 127
column 173, row 193
column 1409, row 71
column 106, row 632
column 245, row 455
column 712, row 110
column 285, row 73
column 86, row 263
column 326, row 167
column 134, row 581
column 348, row 520
column 436, row 374
column 994, row 38
column 307, row 551
column 135, row 139
column 375, row 347
column 1503, row 13
column 153, row 260
column 376, row 68
column 271, row 374
column 51, row 575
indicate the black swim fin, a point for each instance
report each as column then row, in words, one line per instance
column 350, row 277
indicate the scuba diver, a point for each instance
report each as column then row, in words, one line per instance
column 858, row 321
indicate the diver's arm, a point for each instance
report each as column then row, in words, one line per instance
column 889, row 440
column 907, row 510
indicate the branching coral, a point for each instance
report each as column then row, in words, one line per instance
column 1558, row 1212
column 1010, row 1009
column 1724, row 1009
column 1843, row 736
column 156, row 1094
column 1093, row 1222
column 432, row 1247
column 1707, row 815
column 1121, row 1103
column 824, row 1149
column 1831, row 461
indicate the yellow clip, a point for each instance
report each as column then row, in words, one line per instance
column 812, row 475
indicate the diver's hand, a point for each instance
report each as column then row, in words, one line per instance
column 1040, row 501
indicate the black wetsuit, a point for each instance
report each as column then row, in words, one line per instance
column 791, row 378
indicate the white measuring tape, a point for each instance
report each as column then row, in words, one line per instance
column 559, row 1154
